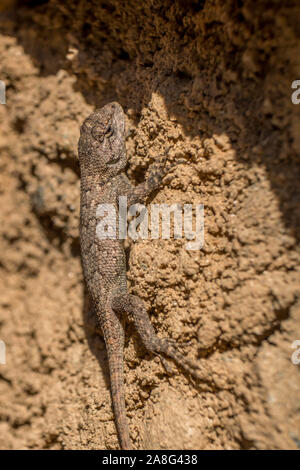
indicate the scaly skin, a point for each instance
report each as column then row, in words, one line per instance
column 102, row 157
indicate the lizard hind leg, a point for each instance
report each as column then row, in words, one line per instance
column 134, row 306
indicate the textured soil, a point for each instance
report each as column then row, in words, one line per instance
column 212, row 80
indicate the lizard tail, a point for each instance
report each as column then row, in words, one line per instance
column 114, row 340
column 118, row 398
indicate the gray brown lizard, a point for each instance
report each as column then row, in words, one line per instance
column 102, row 157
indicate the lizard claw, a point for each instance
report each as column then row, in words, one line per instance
column 166, row 365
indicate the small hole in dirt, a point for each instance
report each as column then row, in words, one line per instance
column 124, row 55
column 19, row 125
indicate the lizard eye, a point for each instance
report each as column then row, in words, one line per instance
column 109, row 131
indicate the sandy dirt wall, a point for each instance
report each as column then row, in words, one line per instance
column 212, row 80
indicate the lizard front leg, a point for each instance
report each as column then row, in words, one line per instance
column 139, row 193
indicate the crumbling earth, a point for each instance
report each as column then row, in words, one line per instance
column 211, row 80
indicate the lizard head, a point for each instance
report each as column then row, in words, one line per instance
column 101, row 146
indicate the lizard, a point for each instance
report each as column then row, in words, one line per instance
column 102, row 160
